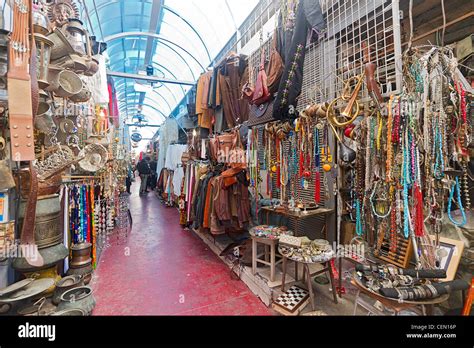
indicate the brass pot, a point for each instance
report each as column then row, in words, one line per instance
column 51, row 256
column 44, row 118
column 47, row 273
column 74, row 312
column 83, row 96
column 64, row 83
column 81, row 255
column 48, row 229
column 93, row 67
column 84, row 271
column 80, row 297
column 62, row 46
column 65, row 284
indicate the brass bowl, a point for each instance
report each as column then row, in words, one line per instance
column 80, row 297
column 63, row 83
column 65, row 284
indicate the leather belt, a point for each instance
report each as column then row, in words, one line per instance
column 27, row 239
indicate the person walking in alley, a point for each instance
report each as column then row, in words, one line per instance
column 153, row 177
column 144, row 170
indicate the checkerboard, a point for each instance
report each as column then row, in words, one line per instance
column 292, row 299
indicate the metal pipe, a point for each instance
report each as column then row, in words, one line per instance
column 149, row 78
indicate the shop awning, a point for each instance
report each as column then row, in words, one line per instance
column 179, row 38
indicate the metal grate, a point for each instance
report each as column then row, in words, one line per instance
column 357, row 32
column 254, row 59
column 362, row 31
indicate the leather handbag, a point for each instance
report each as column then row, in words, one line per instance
column 275, row 67
column 261, row 93
column 247, row 92
column 223, row 144
column 227, row 141
column 260, row 114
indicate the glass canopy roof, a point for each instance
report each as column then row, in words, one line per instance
column 179, row 38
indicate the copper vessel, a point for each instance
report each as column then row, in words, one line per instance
column 48, row 229
column 51, row 256
column 80, row 297
column 65, row 284
column 81, row 255
column 84, row 271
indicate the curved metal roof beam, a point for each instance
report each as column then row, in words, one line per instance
column 158, row 94
column 169, row 71
column 180, row 56
column 151, row 107
column 108, row 3
column 192, row 28
column 119, row 85
column 154, row 35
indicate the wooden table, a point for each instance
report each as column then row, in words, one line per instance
column 301, row 215
column 298, row 216
column 307, row 276
column 427, row 306
column 269, row 255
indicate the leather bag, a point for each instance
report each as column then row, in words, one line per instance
column 261, row 114
column 275, row 67
column 247, row 92
column 223, row 144
column 261, row 93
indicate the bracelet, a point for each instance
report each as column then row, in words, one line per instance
column 434, row 292
column 392, row 271
column 428, row 291
column 415, row 293
column 398, row 293
column 423, row 292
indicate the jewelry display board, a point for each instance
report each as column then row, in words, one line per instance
column 312, row 225
column 356, row 31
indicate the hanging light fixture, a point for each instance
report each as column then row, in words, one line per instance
column 43, row 54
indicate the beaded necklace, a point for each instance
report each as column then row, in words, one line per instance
column 317, row 164
column 405, row 183
column 359, row 229
column 393, row 227
column 389, row 139
column 456, row 187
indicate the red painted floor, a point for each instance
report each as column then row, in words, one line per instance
column 165, row 270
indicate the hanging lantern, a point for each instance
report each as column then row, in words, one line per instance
column 76, row 35
column 43, row 55
column 40, row 21
column 3, row 62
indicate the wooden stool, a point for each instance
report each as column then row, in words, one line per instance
column 307, row 276
column 269, row 255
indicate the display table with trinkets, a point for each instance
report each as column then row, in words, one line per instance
column 306, row 252
column 268, row 236
column 402, row 289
